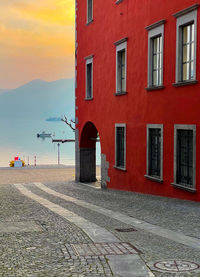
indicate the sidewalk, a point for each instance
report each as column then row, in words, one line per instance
column 60, row 228
column 45, row 173
column 40, row 173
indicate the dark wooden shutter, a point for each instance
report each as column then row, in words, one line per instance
column 89, row 80
column 185, row 157
column 120, row 144
column 154, row 152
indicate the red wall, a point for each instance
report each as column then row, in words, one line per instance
column 139, row 107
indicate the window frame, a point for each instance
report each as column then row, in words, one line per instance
column 184, row 127
column 184, row 18
column 89, row 20
column 124, row 126
column 88, row 60
column 120, row 46
column 155, row 30
column 154, row 178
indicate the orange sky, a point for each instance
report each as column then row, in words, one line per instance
column 36, row 40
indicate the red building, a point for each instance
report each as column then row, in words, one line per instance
column 137, row 86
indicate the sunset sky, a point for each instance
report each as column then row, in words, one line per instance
column 36, row 41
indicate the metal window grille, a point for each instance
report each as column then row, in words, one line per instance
column 89, row 80
column 188, row 52
column 185, row 157
column 120, row 145
column 157, row 61
column 122, row 71
column 154, row 152
column 89, row 12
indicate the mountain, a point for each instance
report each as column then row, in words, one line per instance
column 39, row 100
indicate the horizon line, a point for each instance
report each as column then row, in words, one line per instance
column 8, row 89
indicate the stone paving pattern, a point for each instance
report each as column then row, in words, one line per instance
column 41, row 253
column 49, row 252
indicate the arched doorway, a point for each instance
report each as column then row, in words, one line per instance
column 88, row 140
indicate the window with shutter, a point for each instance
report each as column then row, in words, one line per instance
column 185, row 157
column 120, row 145
column 154, row 152
column 89, row 11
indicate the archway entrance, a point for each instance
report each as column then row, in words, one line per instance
column 89, row 138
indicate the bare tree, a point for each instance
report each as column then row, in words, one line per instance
column 69, row 123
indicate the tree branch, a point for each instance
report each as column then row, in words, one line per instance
column 64, row 119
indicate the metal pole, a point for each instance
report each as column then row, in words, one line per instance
column 58, row 153
column 35, row 160
column 28, row 160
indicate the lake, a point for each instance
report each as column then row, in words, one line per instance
column 18, row 137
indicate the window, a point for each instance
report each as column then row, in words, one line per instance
column 185, row 156
column 89, row 11
column 120, row 146
column 118, row 2
column 121, row 49
column 157, row 61
column 121, row 55
column 154, row 151
column 155, row 55
column 186, row 45
column 188, row 52
column 89, row 77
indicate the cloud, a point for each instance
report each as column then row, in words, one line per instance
column 36, row 30
column 50, row 11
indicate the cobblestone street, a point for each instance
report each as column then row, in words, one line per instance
column 55, row 227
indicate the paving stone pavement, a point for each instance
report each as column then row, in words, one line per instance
column 40, row 253
column 48, row 249
column 128, row 264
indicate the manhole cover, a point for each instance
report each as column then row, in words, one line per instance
column 174, row 266
column 102, row 249
column 128, row 230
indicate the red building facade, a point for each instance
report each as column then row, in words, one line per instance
column 137, row 88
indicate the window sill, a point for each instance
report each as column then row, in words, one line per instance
column 89, row 99
column 120, row 168
column 153, row 179
column 154, row 88
column 89, row 22
column 183, row 187
column 185, row 83
column 118, row 2
column 119, row 93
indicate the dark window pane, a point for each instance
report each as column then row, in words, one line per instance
column 154, row 152
column 185, row 157
column 89, row 80
column 90, row 4
column 120, row 144
column 121, row 56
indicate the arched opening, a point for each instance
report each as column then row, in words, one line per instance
column 88, row 157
